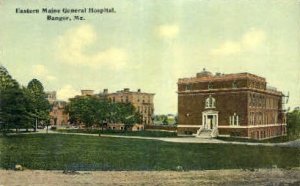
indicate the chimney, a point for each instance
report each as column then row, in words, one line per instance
column 139, row 90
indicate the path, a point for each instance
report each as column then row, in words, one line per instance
column 169, row 178
column 295, row 144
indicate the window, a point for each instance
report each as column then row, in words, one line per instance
column 234, row 84
column 188, row 87
column 234, row 120
column 210, row 102
column 210, row 85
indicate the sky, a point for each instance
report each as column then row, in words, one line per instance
column 150, row 44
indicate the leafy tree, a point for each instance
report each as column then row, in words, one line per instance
column 83, row 110
column 165, row 120
column 91, row 110
column 40, row 107
column 102, row 112
column 127, row 115
column 10, row 107
column 6, row 81
column 293, row 124
column 176, row 120
column 19, row 106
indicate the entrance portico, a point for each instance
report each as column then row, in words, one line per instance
column 210, row 119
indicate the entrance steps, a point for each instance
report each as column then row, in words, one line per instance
column 204, row 134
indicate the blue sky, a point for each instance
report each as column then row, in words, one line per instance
column 150, row 44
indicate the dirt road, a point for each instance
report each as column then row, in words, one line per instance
column 209, row 177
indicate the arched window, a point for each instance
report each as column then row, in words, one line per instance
column 210, row 102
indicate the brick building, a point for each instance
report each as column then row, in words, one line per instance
column 58, row 117
column 51, row 96
column 143, row 102
column 239, row 105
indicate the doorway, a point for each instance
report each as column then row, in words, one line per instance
column 210, row 120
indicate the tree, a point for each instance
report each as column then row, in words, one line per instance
column 40, row 107
column 176, row 120
column 91, row 110
column 6, row 81
column 84, row 110
column 13, row 108
column 102, row 112
column 14, row 103
column 127, row 115
column 165, row 120
column 293, row 124
column 19, row 106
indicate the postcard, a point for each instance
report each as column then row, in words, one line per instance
column 173, row 92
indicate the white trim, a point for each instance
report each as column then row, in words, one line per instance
column 215, row 118
column 210, row 112
column 248, row 126
column 251, row 126
column 196, row 126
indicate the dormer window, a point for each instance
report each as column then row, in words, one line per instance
column 210, row 102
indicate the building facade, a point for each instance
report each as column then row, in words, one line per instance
column 237, row 105
column 51, row 96
column 58, row 117
column 143, row 102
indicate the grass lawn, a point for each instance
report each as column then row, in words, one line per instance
column 279, row 139
column 143, row 133
column 73, row 152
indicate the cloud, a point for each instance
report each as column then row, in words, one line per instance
column 72, row 45
column 249, row 41
column 168, row 31
column 227, row 48
column 40, row 71
column 66, row 92
column 253, row 38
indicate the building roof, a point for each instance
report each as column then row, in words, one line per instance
column 127, row 91
column 204, row 73
column 206, row 76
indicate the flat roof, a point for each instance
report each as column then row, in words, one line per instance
column 222, row 77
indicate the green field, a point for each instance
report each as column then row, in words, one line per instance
column 143, row 133
column 75, row 152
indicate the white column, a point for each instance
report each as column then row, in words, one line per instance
column 203, row 119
